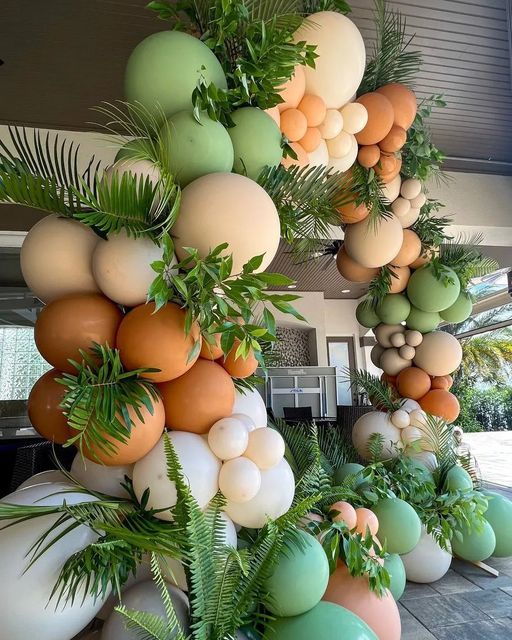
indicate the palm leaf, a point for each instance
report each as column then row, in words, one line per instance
column 380, row 393
column 462, row 255
column 146, row 626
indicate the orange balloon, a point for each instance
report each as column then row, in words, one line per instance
column 385, row 377
column 368, row 155
column 441, row 403
column 353, row 593
column 409, row 251
column 440, row 382
column 366, row 519
column 394, row 141
column 399, row 278
column 385, row 165
column 211, row 351
column 157, row 341
column 413, row 383
column 293, row 124
column 388, row 177
column 311, row 140
column 239, row 367
column 352, row 270
column 403, row 101
column 44, row 411
column 424, row 259
column 380, row 118
column 302, row 157
column 346, row 513
column 196, row 400
column 313, row 107
column 293, row 89
column 75, row 322
column 351, row 213
column 142, row 437
column 450, row 380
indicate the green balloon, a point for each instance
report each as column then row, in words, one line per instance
column 299, row 579
column 349, row 469
column 194, row 149
column 395, row 567
column 499, row 516
column 458, row 479
column 399, row 525
column 475, row 545
column 366, row 316
column 420, row 469
column 256, row 141
column 326, row 621
column 428, row 293
column 422, row 321
column 129, row 150
column 393, row 309
column 460, row 310
column 163, row 71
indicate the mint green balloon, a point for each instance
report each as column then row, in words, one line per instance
column 256, row 141
column 163, row 70
column 194, row 149
column 395, row 567
column 420, row 469
column 399, row 525
column 326, row 621
column 393, row 309
column 460, row 310
column 366, row 316
column 422, row 321
column 428, row 293
column 499, row 516
column 458, row 479
column 475, row 545
column 299, row 579
column 349, row 469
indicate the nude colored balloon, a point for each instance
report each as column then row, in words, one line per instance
column 393, row 363
column 374, row 245
column 344, row 163
column 228, row 438
column 380, row 423
column 384, row 332
column 340, row 145
column 265, row 447
column 332, row 124
column 353, row 271
column 410, row 188
column 346, row 513
column 439, row 354
column 355, row 117
column 56, row 258
column 72, row 323
column 391, row 190
column 141, row 168
column 250, row 403
column 43, row 408
column 366, row 519
column 293, row 89
column 401, row 207
column 100, row 478
column 301, row 160
column 239, row 479
column 45, row 477
column 408, row 220
column 228, row 208
column 427, row 562
column 320, row 156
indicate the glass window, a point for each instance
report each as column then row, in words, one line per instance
column 20, row 362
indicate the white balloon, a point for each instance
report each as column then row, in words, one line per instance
column 410, row 218
column 240, row 479
column 320, row 156
column 200, row 466
column 411, row 434
column 400, row 419
column 376, row 422
column 427, row 562
column 24, row 608
column 355, row 117
column 411, row 188
column 332, row 124
column 139, row 168
column 273, row 499
column 246, row 420
column 251, row 404
column 100, row 478
column 340, row 145
column 265, row 447
column 345, row 162
column 391, row 190
column 427, row 459
column 54, row 475
column 418, row 201
column 409, row 405
column 228, row 438
column 143, row 572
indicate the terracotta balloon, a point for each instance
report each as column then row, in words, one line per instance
column 157, row 341
column 196, row 400
column 211, row 351
column 374, row 245
column 380, row 118
column 274, row 113
column 399, row 278
column 409, row 251
column 72, row 323
column 441, row 403
column 366, row 520
column 403, row 101
column 351, row 212
column 386, row 164
column 368, row 155
column 239, row 367
column 313, row 107
column 351, row 270
column 293, row 89
column 293, row 124
column 442, row 382
column 385, row 377
column 380, row 614
column 394, row 141
column 413, row 383
column 43, row 408
column 390, row 175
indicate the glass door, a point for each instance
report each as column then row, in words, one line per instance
column 341, row 355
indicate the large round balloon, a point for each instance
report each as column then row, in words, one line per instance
column 157, row 341
column 429, row 293
column 72, row 323
column 250, row 403
column 403, row 101
column 145, row 596
column 393, row 308
column 474, row 545
column 413, row 383
column 272, row 500
column 439, row 354
column 122, row 267
column 44, row 477
column 25, row 592
column 423, row 321
column 196, row 400
column 341, row 58
column 395, row 567
column 256, row 141
column 142, row 574
column 287, row 592
column 460, row 310
column 200, row 468
column 43, row 408
column 374, row 244
column 380, row 613
column 441, row 403
column 323, row 622
column 376, row 422
column 194, row 149
column 427, row 562
column 100, row 478
column 226, row 207
column 399, row 525
column 56, row 258
column 164, row 69
column 380, row 118
column 293, row 89
column 352, row 270
column 349, row 469
column 499, row 516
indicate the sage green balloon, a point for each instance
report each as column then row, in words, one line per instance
column 395, row 567
column 460, row 310
column 194, row 149
column 366, row 316
column 256, row 141
column 326, row 621
column 163, row 70
column 476, row 545
column 399, row 525
column 299, row 579
column 393, row 309
column 420, row 469
column 349, row 469
column 429, row 293
column 499, row 516
column 422, row 321
column 458, row 479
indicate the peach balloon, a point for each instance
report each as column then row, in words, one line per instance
column 346, row 513
column 157, row 340
column 72, row 323
column 302, row 157
column 374, row 245
column 413, row 383
column 399, row 278
column 409, row 251
column 211, row 351
column 313, row 107
column 199, row 398
column 352, row 270
column 275, row 114
column 311, row 140
column 441, row 403
column 380, row 118
column 43, row 408
column 403, row 101
column 293, row 89
column 293, row 124
column 380, row 613
column 368, row 155
column 239, row 367
column 424, row 258
column 352, row 212
column 366, row 519
column 394, row 141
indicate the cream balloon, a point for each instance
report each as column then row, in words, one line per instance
column 407, row 352
column 400, row 419
column 401, row 207
column 374, row 245
column 341, row 58
column 427, row 562
column 410, row 405
column 340, row 145
column 200, row 467
column 391, row 190
column 56, row 258
column 410, row 218
column 228, row 208
column 345, row 162
column 418, row 418
column 439, row 354
column 392, row 363
column 25, row 592
column 228, row 438
column 383, row 333
column 265, row 447
column 376, row 422
column 427, row 459
column 320, row 156
column 397, row 340
column 418, row 201
column 411, row 434
column 332, row 124
column 142, row 169
column 355, row 117
column 251, row 404
column 44, row 477
column 100, row 478
column 376, row 353
column 410, row 188
column 247, row 421
column 273, row 499
column 413, row 338
column 142, row 573
column 240, row 479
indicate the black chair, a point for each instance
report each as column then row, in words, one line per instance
column 298, row 414
column 37, row 457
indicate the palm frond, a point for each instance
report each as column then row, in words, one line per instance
column 380, row 393
column 462, row 255
column 380, row 285
column 146, row 626
column 430, row 228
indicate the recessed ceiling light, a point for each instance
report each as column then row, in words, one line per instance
column 292, row 286
column 345, row 291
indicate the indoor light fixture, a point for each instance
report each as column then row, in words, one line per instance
column 345, row 291
column 292, row 286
